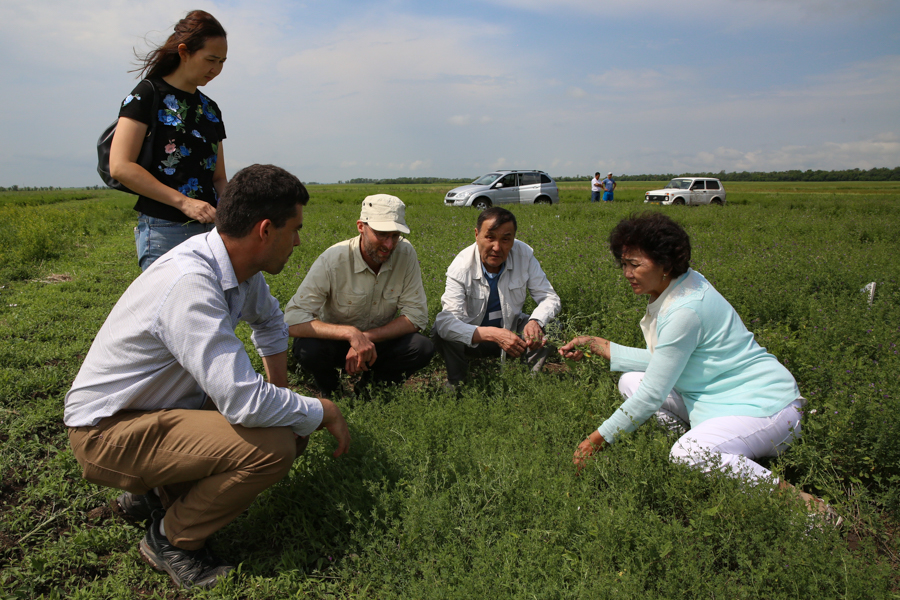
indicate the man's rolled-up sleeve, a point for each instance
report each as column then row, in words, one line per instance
column 413, row 304
column 194, row 323
column 307, row 302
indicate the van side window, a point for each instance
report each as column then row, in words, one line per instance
column 712, row 185
column 529, row 179
column 697, row 185
column 509, row 181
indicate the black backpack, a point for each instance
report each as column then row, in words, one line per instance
column 145, row 157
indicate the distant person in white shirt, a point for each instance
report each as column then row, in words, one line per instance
column 362, row 304
column 167, row 405
column 596, row 187
column 486, row 288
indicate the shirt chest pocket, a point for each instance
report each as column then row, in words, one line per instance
column 349, row 306
column 516, row 294
column 476, row 299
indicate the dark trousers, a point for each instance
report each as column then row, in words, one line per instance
column 397, row 359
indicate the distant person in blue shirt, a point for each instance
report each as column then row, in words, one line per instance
column 609, row 186
column 702, row 370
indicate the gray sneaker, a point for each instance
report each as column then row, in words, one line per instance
column 137, row 507
column 187, row 568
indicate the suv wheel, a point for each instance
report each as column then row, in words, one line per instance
column 678, row 202
column 482, row 204
column 716, row 201
column 542, row 200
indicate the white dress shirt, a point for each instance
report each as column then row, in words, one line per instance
column 169, row 342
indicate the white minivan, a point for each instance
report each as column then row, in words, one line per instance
column 690, row 191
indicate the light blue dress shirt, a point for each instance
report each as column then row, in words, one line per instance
column 169, row 342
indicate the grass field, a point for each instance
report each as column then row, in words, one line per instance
column 477, row 496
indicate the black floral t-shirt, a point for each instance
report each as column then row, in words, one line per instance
column 189, row 129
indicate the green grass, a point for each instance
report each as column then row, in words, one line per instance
column 445, row 498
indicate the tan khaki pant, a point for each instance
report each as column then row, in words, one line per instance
column 208, row 470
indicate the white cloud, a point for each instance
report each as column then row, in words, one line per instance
column 376, row 92
column 418, row 165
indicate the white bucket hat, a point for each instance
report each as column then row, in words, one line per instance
column 383, row 212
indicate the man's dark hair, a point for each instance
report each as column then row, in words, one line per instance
column 663, row 240
column 500, row 216
column 255, row 193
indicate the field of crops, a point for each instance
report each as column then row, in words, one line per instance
column 459, row 498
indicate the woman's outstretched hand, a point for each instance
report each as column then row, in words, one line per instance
column 584, row 344
column 587, row 448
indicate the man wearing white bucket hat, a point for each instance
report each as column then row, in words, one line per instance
column 362, row 304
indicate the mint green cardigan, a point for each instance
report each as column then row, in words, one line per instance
column 706, row 354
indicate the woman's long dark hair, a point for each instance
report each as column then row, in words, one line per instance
column 192, row 31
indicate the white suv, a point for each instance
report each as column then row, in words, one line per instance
column 505, row 187
column 688, row 190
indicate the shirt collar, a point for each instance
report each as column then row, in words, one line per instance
column 358, row 264
column 221, row 261
column 491, row 275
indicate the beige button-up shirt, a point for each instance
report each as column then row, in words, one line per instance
column 341, row 289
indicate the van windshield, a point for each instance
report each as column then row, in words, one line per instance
column 679, row 184
column 488, row 179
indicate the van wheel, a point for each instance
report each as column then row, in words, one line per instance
column 482, row 204
column 542, row 200
column 678, row 202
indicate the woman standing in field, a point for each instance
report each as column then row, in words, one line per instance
column 702, row 369
column 178, row 195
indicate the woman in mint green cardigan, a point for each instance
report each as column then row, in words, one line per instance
column 702, row 369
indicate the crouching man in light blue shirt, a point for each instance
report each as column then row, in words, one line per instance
column 167, row 405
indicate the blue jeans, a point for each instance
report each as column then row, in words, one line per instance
column 154, row 237
column 595, row 196
column 607, row 196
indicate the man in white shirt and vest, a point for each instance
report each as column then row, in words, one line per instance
column 167, row 405
column 487, row 284
column 362, row 304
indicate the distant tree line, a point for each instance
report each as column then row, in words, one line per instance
column 878, row 174
column 16, row 188
column 409, row 180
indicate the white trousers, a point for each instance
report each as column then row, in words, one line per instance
column 726, row 443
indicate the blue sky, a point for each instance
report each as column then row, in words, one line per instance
column 333, row 90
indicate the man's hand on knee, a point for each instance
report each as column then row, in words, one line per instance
column 362, row 353
column 334, row 422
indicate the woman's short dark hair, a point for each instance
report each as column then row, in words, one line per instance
column 192, row 31
column 663, row 240
column 255, row 193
